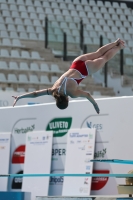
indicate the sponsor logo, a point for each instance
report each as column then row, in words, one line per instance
column 90, row 136
column 18, row 155
column 89, row 153
column 86, row 181
column 4, row 140
column 100, row 154
column 78, row 135
column 83, row 190
column 24, row 130
column 59, row 126
column 87, row 160
column 79, row 141
column 2, row 147
column 55, row 180
column 82, row 148
column 58, row 152
column 71, row 142
column 99, row 127
column 88, row 167
column 17, row 181
column 99, row 182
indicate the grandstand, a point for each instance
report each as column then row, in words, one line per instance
column 26, row 65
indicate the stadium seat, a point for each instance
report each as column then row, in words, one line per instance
column 55, row 68
column 115, row 17
column 13, row 35
column 11, row 78
column 8, row 20
column 11, row 27
column 8, row 89
column 39, row 10
column 18, row 21
column 22, row 8
column 114, row 29
column 13, row 66
column 20, row 2
column 31, row 9
column 4, row 34
column 33, row 16
column 87, row 9
column 21, row 28
column 4, row 6
column 46, row 4
column 84, row 2
column 94, row 21
column 23, row 66
column 6, row 42
column 23, row 78
column 129, row 61
column 127, row 36
column 3, row 65
column 35, row 55
column 34, row 67
column 15, row 14
column 24, row 36
column 41, row 16
column 37, row 4
column 24, row 15
column 129, row 18
column 41, row 37
column 118, row 24
column 28, row 22
column 4, row 53
column 123, row 18
column 33, row 79
column 48, row 11
column 44, row 80
column 54, row 79
column 107, row 4
column 1, row 20
column 5, row 13
column 33, row 36
column 95, row 9
column 29, row 3
column 92, row 3
column 123, row 5
column 103, row 10
column 54, row 5
column 65, row 13
column 13, row 7
column 2, row 78
column 25, row 55
column 39, row 29
column 16, row 43
column 2, row 27
column 111, row 10
column 21, row 90
column 31, row 89
column 123, row 30
column 36, row 22
column 119, row 11
column 63, row 6
column 15, row 54
column 127, row 12
column 126, row 24
column 106, row 16
column 44, row 67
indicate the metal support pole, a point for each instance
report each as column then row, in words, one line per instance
column 46, row 32
column 101, row 40
column 85, row 49
column 81, row 34
column 64, row 46
column 121, row 63
column 105, row 75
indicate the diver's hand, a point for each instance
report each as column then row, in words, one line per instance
column 16, row 99
column 96, row 107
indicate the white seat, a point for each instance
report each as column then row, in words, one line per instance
column 39, row 29
column 127, row 36
column 48, row 11
column 2, row 27
column 52, row 38
column 4, row 53
column 30, row 29
column 1, row 20
column 127, row 12
column 92, row 3
column 95, row 41
column 118, row 35
column 18, row 21
column 115, row 5
column 130, row 18
column 25, row 55
column 3, row 65
column 130, row 43
column 84, row 2
column 63, row 25
column 54, row 79
column 34, row 67
column 110, row 35
column 106, row 16
column 35, row 55
column 24, row 15
column 41, row 37
column 8, row 89
column 85, row 21
column 32, row 36
column 36, row 22
column 24, row 36
column 21, row 28
column 51, row 17
column 11, row 78
column 28, row 22
column 13, row 7
column 89, row 27
column 65, row 13
column 44, row 67
column 91, row 15
column 37, row 4
column 98, row 28
column 106, row 29
column 15, row 14
column 29, row 3
column 87, row 40
column 67, row 31
column 44, row 80
column 16, row 43
column 87, row 8
column 72, row 25
column 6, row 42
column 63, row 6
column 31, row 89
column 126, row 24
column 22, row 8
column 130, row 30
column 76, row 2
column 71, row 7
column 123, row 5
column 21, row 89
column 54, row 5
column 23, row 78
column 94, row 21
column 2, row 78
column 75, row 32
column 99, row 16
column 31, row 9
column 119, row 11
column 103, row 10
column 68, row 19
column 123, row 18
column 107, row 4
column 82, row 14
column 57, row 11
column 15, row 54
column 11, row 27
column 4, row 34
column 39, row 10
column 41, row 16
column 8, row 20
column 5, row 13
column 95, row 9
column 102, row 22
column 111, row 10
column 46, row 4
column 4, row 6
column 23, row 66
column 20, row 2
column 13, row 34
column 93, row 34
column 33, row 16
column 114, row 29
column 11, row 2
column 115, row 17
column 110, row 22
column 58, row 31
column 118, row 23
column 129, row 61
column 55, row 68
column 33, row 79
column 13, row 66
column 123, row 30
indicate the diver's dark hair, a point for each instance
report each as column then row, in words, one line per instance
column 61, row 100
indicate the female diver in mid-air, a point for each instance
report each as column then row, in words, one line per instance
column 67, row 84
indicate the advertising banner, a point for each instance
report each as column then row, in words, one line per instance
column 37, row 161
column 80, row 150
column 4, row 159
column 114, row 136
